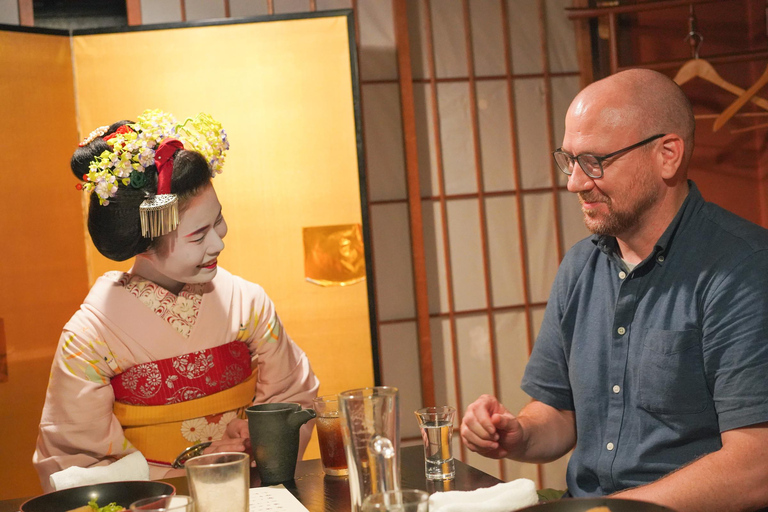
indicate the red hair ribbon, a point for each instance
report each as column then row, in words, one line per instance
column 122, row 129
column 164, row 163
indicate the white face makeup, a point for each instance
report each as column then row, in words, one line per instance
column 188, row 254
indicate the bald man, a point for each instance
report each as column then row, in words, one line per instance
column 652, row 359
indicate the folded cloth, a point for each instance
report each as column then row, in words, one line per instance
column 502, row 497
column 131, row 467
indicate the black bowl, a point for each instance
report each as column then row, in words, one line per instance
column 584, row 504
column 122, row 493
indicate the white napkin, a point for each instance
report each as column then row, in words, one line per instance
column 503, row 497
column 131, row 467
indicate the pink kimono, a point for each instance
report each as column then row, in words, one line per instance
column 127, row 321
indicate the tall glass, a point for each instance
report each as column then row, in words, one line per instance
column 406, row 500
column 219, row 482
column 371, row 429
column 329, row 435
column 436, row 424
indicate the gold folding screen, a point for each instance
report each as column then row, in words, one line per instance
column 42, row 260
column 285, row 91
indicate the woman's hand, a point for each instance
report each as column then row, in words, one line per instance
column 236, row 438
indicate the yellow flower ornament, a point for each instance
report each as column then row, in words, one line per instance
column 132, row 150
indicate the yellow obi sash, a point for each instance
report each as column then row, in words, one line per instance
column 158, row 431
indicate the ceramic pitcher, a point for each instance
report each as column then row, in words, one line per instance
column 274, row 430
column 371, row 430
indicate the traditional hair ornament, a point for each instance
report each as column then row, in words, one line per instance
column 136, row 146
column 160, row 214
column 208, row 138
column 98, row 132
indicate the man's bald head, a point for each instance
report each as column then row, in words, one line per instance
column 642, row 100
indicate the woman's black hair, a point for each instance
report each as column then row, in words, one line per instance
column 115, row 228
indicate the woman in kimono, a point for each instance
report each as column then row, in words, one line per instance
column 168, row 355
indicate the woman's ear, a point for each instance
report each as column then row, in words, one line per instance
column 671, row 151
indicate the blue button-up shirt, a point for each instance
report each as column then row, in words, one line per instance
column 656, row 361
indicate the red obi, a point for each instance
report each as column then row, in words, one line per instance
column 186, row 377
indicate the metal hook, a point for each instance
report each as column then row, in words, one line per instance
column 694, row 37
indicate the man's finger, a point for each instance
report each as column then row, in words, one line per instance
column 504, row 421
column 479, row 421
column 480, row 439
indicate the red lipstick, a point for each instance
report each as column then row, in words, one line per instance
column 211, row 265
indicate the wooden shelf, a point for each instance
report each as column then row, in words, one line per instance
column 593, row 12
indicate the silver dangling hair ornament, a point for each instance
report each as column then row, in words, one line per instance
column 160, row 214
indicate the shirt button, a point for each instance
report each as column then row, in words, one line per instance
column 621, row 330
column 610, row 447
column 616, row 388
column 622, row 274
column 660, row 259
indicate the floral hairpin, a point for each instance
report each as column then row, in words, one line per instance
column 208, row 138
column 132, row 150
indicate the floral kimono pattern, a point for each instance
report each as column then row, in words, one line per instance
column 124, row 327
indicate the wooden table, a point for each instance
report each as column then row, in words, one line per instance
column 321, row 493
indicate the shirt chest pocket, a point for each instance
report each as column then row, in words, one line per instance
column 671, row 373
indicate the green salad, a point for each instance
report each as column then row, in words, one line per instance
column 112, row 507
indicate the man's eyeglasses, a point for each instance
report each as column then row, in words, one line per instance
column 592, row 165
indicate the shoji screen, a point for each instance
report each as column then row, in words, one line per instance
column 494, row 79
column 491, row 81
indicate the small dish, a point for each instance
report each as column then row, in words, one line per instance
column 121, row 493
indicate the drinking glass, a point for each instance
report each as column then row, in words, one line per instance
column 436, row 424
column 371, row 429
column 219, row 482
column 165, row 503
column 406, row 500
column 329, row 435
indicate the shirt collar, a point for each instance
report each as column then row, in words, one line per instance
column 692, row 203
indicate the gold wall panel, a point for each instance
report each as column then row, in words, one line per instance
column 42, row 262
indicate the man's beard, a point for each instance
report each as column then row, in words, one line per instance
column 616, row 222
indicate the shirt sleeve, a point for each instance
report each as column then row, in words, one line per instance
column 77, row 427
column 735, row 342
column 546, row 375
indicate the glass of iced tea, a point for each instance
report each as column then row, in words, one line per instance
column 329, row 435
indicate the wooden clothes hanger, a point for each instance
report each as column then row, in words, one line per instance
column 703, row 69
column 697, row 67
column 746, row 96
column 750, row 128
